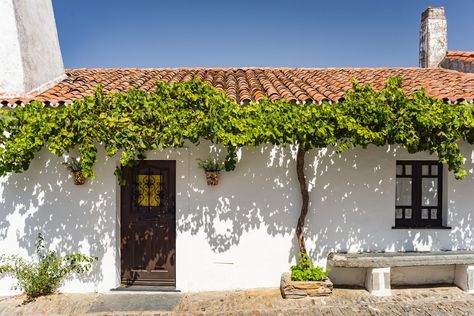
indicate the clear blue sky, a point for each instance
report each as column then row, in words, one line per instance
column 219, row 33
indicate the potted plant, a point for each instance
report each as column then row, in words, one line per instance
column 212, row 168
column 305, row 280
column 75, row 166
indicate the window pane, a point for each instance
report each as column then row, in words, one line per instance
column 403, row 191
column 424, row 213
column 408, row 170
column 429, row 192
column 434, row 170
column 148, row 187
column 398, row 213
column 408, row 213
column 399, row 170
column 425, row 171
column 434, row 213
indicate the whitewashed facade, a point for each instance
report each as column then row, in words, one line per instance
column 241, row 233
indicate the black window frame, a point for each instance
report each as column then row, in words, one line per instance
column 416, row 206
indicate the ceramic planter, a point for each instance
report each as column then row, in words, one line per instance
column 78, row 177
column 212, row 177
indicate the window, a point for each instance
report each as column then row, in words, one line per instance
column 418, row 197
column 149, row 187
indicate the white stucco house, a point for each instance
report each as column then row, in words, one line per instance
column 212, row 237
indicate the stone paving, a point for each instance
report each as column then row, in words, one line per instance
column 436, row 301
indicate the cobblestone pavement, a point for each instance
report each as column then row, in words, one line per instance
column 436, row 301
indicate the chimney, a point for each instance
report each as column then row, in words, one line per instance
column 433, row 37
column 30, row 57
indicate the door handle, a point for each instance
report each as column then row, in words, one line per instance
column 151, row 218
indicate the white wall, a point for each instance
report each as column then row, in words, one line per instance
column 71, row 218
column 356, row 198
column 240, row 233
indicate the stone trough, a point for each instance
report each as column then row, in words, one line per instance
column 301, row 289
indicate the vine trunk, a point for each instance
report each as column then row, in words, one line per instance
column 305, row 197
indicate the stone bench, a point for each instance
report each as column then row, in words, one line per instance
column 378, row 265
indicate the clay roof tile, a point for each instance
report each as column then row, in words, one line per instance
column 244, row 85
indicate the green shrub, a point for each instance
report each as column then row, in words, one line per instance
column 305, row 271
column 44, row 276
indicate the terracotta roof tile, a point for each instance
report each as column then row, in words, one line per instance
column 251, row 84
column 460, row 55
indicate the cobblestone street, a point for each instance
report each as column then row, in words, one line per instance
column 422, row 301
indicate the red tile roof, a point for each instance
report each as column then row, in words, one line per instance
column 252, row 84
column 461, row 56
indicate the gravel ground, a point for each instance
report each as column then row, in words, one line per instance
column 435, row 301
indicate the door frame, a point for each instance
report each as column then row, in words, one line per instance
column 120, row 201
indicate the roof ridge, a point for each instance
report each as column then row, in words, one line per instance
column 460, row 52
column 242, row 68
column 248, row 84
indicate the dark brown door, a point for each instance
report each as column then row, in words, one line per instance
column 148, row 224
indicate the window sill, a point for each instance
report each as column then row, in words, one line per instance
column 422, row 227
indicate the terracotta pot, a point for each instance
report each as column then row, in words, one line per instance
column 78, row 177
column 212, row 177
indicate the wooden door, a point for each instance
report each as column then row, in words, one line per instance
column 148, row 240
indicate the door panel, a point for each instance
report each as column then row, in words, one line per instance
column 148, row 224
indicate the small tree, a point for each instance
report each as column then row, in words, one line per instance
column 366, row 117
column 45, row 276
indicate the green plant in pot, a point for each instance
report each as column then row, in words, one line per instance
column 212, row 167
column 306, row 271
column 305, row 280
column 75, row 167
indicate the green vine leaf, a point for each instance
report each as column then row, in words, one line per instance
column 130, row 124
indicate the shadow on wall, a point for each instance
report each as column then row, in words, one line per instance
column 460, row 203
column 71, row 218
column 352, row 200
column 362, row 205
column 351, row 206
column 259, row 195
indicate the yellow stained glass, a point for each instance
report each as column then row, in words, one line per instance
column 148, row 189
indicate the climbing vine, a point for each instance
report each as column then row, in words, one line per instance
column 130, row 124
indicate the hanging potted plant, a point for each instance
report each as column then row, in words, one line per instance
column 212, row 168
column 75, row 167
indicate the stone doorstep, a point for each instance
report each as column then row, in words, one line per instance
column 301, row 289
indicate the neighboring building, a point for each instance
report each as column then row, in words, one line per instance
column 239, row 234
column 460, row 61
column 434, row 44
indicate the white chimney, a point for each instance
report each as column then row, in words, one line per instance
column 433, row 37
column 30, row 57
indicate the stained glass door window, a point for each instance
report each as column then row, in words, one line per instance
column 149, row 188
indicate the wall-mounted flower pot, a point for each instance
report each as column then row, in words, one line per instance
column 78, row 178
column 212, row 177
